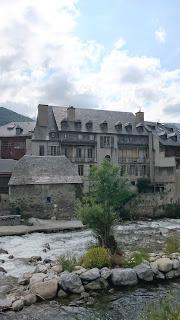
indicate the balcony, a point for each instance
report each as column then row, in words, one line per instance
column 78, row 139
column 132, row 160
column 82, row 160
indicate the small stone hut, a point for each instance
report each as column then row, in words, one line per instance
column 44, row 187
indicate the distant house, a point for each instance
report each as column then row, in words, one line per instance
column 44, row 187
column 15, row 139
column 6, row 168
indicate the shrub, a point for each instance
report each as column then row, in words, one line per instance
column 167, row 309
column 172, row 245
column 97, row 257
column 137, row 258
column 172, row 210
column 68, row 263
column 144, row 185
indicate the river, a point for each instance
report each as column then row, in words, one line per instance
column 126, row 304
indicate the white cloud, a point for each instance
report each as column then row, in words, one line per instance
column 161, row 35
column 43, row 61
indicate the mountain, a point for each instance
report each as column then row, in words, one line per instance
column 7, row 116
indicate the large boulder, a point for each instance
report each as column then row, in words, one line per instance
column 164, row 264
column 176, row 264
column 30, row 299
column 37, row 277
column 90, row 275
column 105, row 273
column 70, row 282
column 124, row 277
column 18, row 305
column 144, row 272
column 5, row 303
column 45, row 290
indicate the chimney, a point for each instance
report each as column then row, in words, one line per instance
column 139, row 117
column 43, row 115
column 71, row 113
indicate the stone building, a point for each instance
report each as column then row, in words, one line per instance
column 44, row 187
column 15, row 139
column 87, row 136
column 6, row 168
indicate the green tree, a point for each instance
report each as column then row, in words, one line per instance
column 108, row 193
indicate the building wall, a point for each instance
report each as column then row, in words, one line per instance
column 45, row 201
column 13, row 148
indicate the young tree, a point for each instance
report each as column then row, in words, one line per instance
column 108, row 193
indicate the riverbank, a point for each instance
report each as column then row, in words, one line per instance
column 45, row 226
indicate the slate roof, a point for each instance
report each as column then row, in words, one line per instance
column 97, row 117
column 7, row 165
column 165, row 132
column 32, row 170
column 9, row 129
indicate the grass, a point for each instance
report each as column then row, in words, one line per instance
column 96, row 257
column 68, row 263
column 137, row 258
column 172, row 245
column 166, row 309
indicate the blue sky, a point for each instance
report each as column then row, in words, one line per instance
column 108, row 54
column 136, row 21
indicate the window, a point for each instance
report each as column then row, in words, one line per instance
column 81, row 170
column 53, row 150
column 41, row 151
column 78, row 153
column 90, row 152
column 48, row 199
column 106, row 142
column 78, row 125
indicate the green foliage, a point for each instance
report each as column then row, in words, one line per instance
column 172, row 244
column 99, row 209
column 166, row 309
column 137, row 258
column 68, row 263
column 96, row 257
column 144, row 185
column 108, row 187
column 100, row 219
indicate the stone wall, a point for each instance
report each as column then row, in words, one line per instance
column 45, row 201
column 11, row 220
column 150, row 205
column 4, row 204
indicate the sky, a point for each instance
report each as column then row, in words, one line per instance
column 121, row 55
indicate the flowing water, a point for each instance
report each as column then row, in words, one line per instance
column 122, row 305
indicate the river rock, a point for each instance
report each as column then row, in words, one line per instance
column 3, row 270
column 40, row 268
column 46, row 290
column 90, row 275
column 57, row 268
column 37, row 277
column 176, row 264
column 11, row 257
column 80, row 271
column 23, row 281
column 35, row 259
column 18, row 305
column 2, row 261
column 62, row 294
column 93, row 285
column 70, row 282
column 144, row 272
column 177, row 273
column 105, row 273
column 124, row 277
column 47, row 246
column 164, row 264
column 2, row 251
column 47, row 260
column 160, row 275
column 30, row 299
column 27, row 275
column 170, row 275
column 5, row 303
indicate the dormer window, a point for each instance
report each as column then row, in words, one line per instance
column 162, row 135
column 64, row 124
column 104, row 126
column 128, row 127
column 118, row 126
column 18, row 130
column 172, row 136
column 140, row 127
column 152, row 126
column 89, row 125
column 78, row 124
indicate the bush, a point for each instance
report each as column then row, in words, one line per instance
column 97, row 257
column 144, row 185
column 137, row 258
column 167, row 309
column 172, row 245
column 67, row 263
